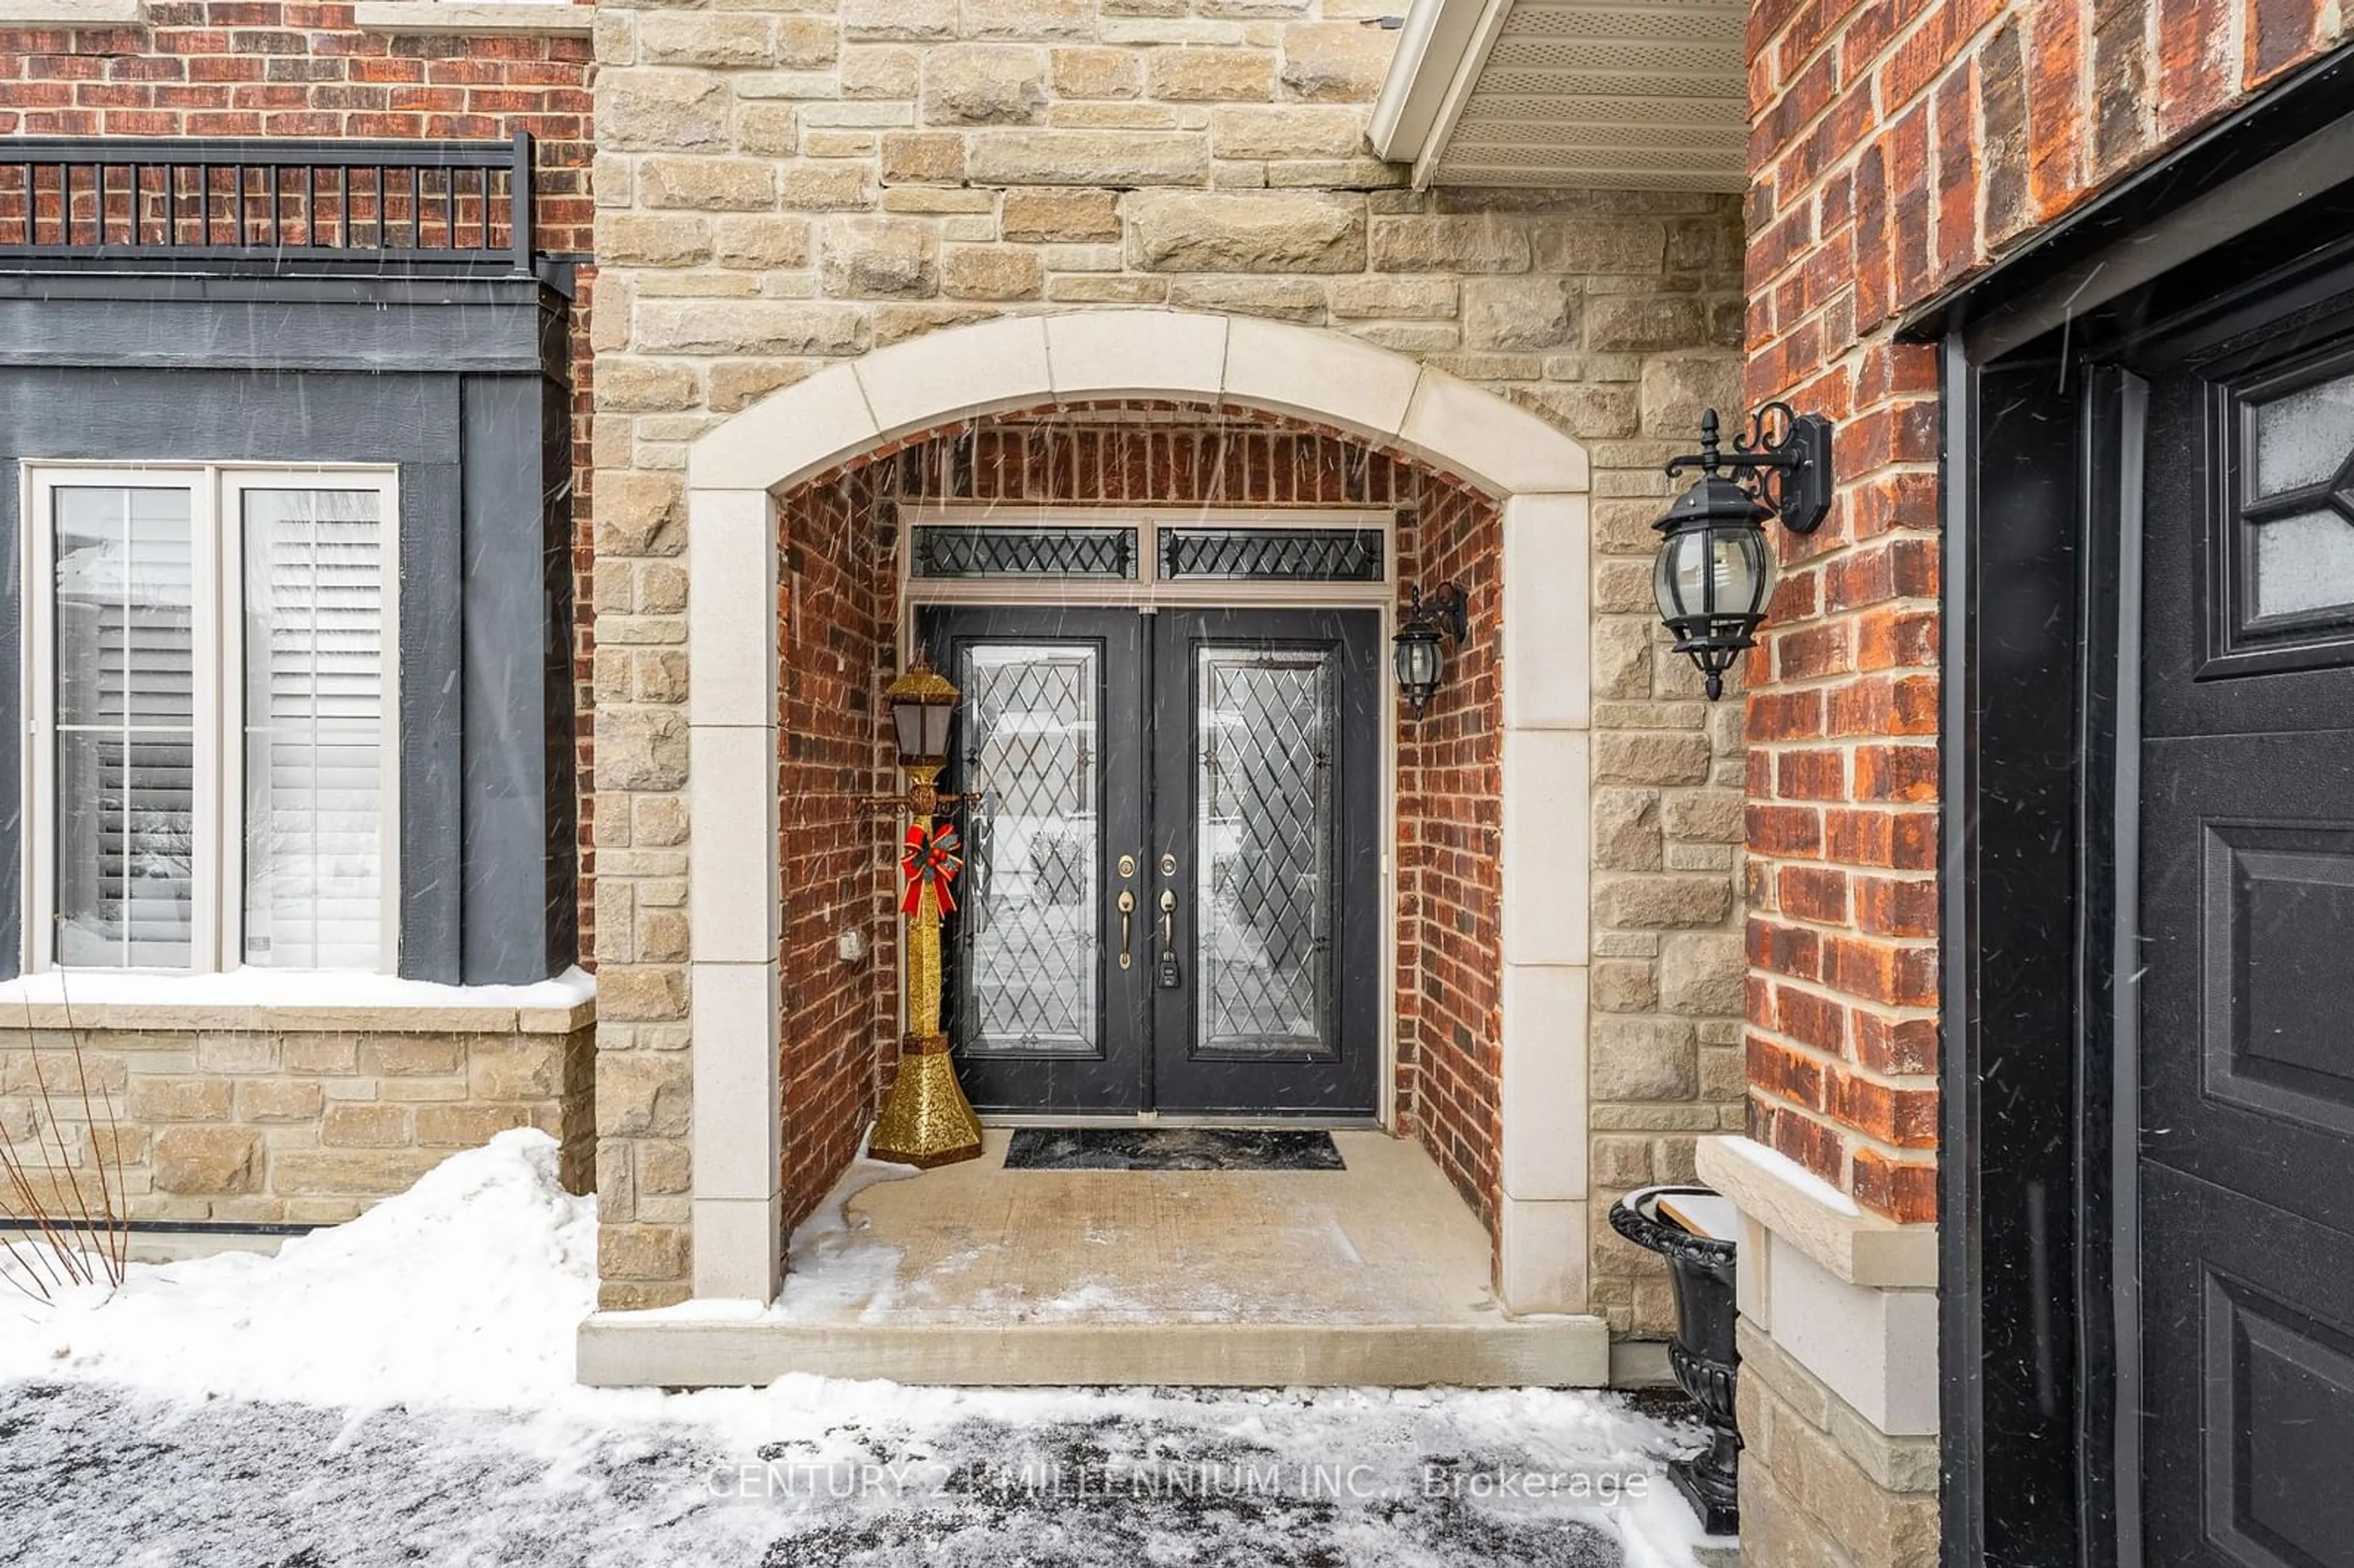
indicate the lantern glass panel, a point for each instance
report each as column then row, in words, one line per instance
column 1712, row 572
column 1677, row 575
column 938, row 716
column 908, row 727
column 1418, row 659
column 1745, row 570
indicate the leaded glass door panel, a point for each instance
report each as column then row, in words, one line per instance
column 1266, row 826
column 1041, row 1017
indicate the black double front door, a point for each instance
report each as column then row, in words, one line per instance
column 1172, row 899
column 2245, row 953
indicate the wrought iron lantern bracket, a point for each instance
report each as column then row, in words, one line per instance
column 1788, row 474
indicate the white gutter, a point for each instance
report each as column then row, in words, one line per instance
column 1440, row 54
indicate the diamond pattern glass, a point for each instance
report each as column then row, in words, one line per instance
column 938, row 551
column 1273, row 554
column 1264, row 810
column 1029, row 944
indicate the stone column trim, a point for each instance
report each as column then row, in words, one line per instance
column 1810, row 1215
column 72, row 13
column 481, row 18
column 734, row 903
column 1547, row 790
column 1848, row 1296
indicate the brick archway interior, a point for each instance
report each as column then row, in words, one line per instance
column 837, row 648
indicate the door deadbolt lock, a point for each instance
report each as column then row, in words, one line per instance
column 1168, row 866
column 1127, row 866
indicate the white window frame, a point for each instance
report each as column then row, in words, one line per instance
column 216, row 521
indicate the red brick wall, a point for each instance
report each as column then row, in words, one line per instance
column 1450, row 877
column 261, row 68
column 1182, row 457
column 1158, row 454
column 835, row 646
column 1898, row 145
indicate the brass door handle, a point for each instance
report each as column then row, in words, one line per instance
column 1127, row 909
column 1168, row 979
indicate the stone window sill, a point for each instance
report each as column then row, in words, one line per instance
column 258, row 1000
column 473, row 17
column 73, row 12
column 1807, row 1211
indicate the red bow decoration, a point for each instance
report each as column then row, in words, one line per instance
column 929, row 852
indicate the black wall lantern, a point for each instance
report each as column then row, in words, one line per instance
column 1714, row 570
column 1418, row 652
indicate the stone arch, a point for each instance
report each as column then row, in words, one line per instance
column 1323, row 376
column 1537, row 474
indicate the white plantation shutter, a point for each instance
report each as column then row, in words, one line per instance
column 125, row 659
column 314, row 723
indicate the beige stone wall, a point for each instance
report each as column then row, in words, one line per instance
column 783, row 186
column 280, row 1122
column 1821, row 1486
column 1666, row 1065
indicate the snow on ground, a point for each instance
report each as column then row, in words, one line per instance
column 839, row 1266
column 465, row 1290
column 400, row 1389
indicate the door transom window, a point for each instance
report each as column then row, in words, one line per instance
column 966, row 552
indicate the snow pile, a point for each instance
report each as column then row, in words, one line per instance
column 442, row 1322
column 465, row 1291
column 833, row 1265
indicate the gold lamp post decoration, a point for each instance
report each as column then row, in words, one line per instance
column 926, row 1120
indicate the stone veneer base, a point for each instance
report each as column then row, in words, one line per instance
column 1821, row 1486
column 310, row 1116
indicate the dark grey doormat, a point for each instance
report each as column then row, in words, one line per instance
column 1169, row 1149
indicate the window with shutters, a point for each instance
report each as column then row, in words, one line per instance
column 209, row 680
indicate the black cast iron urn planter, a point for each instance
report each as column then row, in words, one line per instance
column 1701, row 1355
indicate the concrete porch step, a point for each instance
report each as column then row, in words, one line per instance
column 976, row 1275
column 624, row 1348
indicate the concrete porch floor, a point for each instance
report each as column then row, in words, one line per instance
column 973, row 1274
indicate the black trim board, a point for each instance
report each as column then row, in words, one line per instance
column 1959, row 1314
column 2010, row 756
column 474, row 410
column 389, row 324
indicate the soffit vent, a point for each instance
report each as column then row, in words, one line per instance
column 1631, row 95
